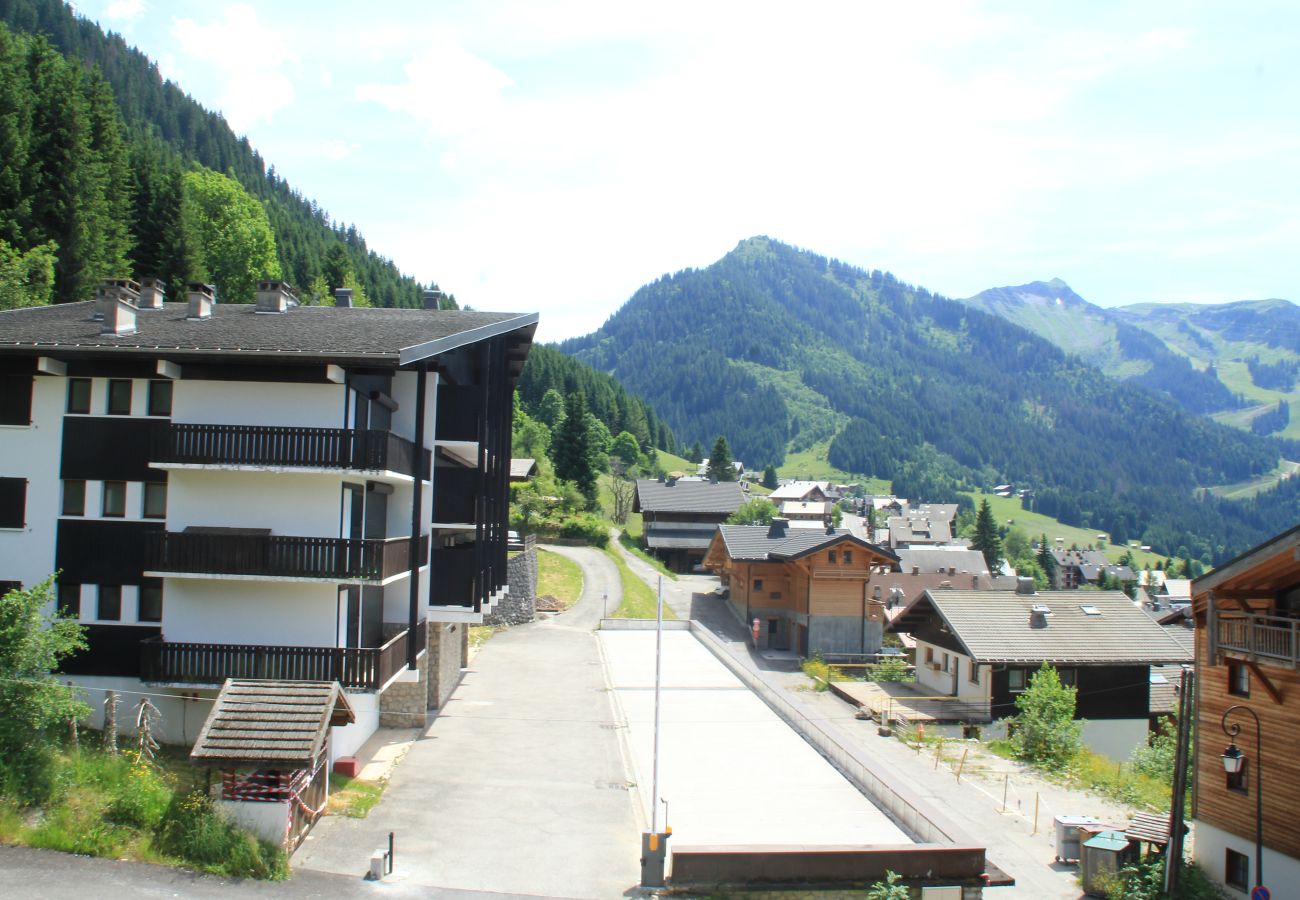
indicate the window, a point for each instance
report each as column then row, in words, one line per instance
column 758, row 584
column 830, row 557
column 7, row 586
column 1238, row 782
column 1069, row 677
column 1016, row 679
column 1238, row 679
column 110, row 603
column 848, row 557
column 929, row 655
column 114, row 499
column 151, row 601
column 160, row 398
column 973, row 672
column 774, row 595
column 13, row 502
column 74, row 497
column 70, row 599
column 15, row 399
column 155, row 499
column 1236, row 870
column 119, row 397
column 79, row 395
column 945, row 662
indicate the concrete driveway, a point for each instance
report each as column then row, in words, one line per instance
column 519, row 786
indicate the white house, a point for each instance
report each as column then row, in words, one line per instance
column 265, row 491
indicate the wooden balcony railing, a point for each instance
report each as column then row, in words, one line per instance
column 1265, row 638
column 280, row 556
column 269, row 445
column 359, row 668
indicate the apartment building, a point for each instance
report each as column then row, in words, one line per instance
column 266, row 491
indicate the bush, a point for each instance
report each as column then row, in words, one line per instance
column 143, row 799
column 195, row 831
column 585, row 528
column 1046, row 731
column 1156, row 758
column 890, row 669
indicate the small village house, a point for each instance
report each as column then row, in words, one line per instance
column 680, row 516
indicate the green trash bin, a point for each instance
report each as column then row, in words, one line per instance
column 1101, row 857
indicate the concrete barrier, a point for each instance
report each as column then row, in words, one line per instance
column 643, row 625
column 824, row 865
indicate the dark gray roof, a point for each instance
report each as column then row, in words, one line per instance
column 723, row 498
column 270, row 724
column 994, row 626
column 393, row 336
column 932, row 559
column 760, row 542
column 679, row 536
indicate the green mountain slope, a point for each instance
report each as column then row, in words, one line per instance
column 165, row 132
column 1116, row 344
column 927, row 392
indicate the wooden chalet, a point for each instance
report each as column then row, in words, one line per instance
column 810, row 589
column 270, row 739
column 681, row 516
column 1248, row 655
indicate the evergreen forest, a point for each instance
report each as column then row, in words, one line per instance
column 94, row 149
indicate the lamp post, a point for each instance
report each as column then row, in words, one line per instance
column 1233, row 760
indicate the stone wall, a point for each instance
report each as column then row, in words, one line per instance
column 402, row 704
column 519, row 604
column 447, row 660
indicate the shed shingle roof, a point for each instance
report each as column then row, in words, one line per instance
column 337, row 333
column 759, row 542
column 723, row 498
column 270, row 724
column 994, row 626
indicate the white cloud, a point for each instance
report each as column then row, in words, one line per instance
column 448, row 89
column 245, row 56
column 124, row 10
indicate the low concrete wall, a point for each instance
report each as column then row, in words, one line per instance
column 886, row 787
column 643, row 625
column 824, row 865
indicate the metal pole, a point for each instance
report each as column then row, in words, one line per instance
column 659, row 643
column 1232, row 731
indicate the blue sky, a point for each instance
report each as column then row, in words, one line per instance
column 555, row 156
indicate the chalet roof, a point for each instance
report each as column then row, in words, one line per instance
column 722, row 498
column 522, row 468
column 333, row 334
column 806, row 508
column 995, row 627
column 679, row 535
column 1094, row 558
column 941, row 559
column 270, row 724
column 1165, row 681
column 761, row 543
column 798, row 490
column 1259, row 573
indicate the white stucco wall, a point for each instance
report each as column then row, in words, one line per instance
column 258, row 403
column 269, row 821
column 940, row 683
column 32, row 452
column 1281, row 873
column 180, row 720
column 1116, row 738
column 288, row 504
column 250, row 612
column 347, row 740
column 404, row 393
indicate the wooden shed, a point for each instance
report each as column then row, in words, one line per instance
column 270, row 739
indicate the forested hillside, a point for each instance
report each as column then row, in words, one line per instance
column 606, row 399
column 937, row 396
column 92, row 156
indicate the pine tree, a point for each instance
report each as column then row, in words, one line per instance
column 721, row 467
column 769, row 478
column 573, row 448
column 1046, row 561
column 986, row 538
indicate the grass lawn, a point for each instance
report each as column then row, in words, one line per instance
column 632, row 545
column 1243, row 490
column 558, row 577
column 353, row 797
column 639, row 601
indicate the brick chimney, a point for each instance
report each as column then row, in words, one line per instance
column 201, row 297
column 153, row 292
column 433, row 299
column 274, row 297
column 343, row 298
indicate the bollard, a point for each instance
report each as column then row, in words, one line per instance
column 961, row 765
column 1035, row 831
column 1005, row 779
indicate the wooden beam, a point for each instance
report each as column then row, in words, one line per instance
column 1269, row 687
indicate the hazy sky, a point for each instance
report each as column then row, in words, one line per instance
column 554, row 156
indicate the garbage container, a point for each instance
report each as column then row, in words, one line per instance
column 1067, row 835
column 1104, row 855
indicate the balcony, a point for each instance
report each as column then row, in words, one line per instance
column 356, row 668
column 1271, row 639
column 272, row 446
column 260, row 554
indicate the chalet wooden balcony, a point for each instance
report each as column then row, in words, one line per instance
column 1270, row 639
column 244, row 552
column 357, row 668
column 269, row 445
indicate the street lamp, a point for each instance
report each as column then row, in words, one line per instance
column 1233, row 761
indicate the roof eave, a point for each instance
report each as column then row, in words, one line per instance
column 420, row 352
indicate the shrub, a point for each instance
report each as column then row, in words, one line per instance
column 889, row 889
column 1046, row 731
column 1156, row 758
column 890, row 669
column 143, row 798
column 585, row 528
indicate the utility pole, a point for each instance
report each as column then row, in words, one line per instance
column 1186, row 709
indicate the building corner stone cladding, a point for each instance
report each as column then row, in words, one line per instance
column 520, row 603
column 406, row 704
